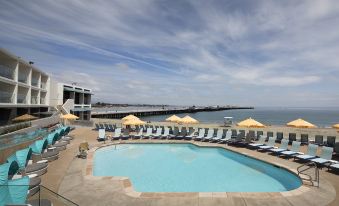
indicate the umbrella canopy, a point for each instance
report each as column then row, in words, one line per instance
column 250, row 123
column 188, row 120
column 129, row 117
column 301, row 124
column 25, row 117
column 69, row 117
column 173, row 118
column 133, row 122
column 336, row 126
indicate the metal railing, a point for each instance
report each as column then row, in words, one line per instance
column 6, row 97
column 21, row 99
column 38, row 195
column 6, row 72
column 302, row 169
column 34, row 100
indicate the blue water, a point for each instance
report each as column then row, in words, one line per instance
column 323, row 117
column 188, row 168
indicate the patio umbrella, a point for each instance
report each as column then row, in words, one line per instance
column 336, row 126
column 69, row 117
column 25, row 117
column 133, row 122
column 300, row 123
column 188, row 120
column 250, row 123
column 173, row 118
column 129, row 117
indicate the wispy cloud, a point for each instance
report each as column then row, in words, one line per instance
column 183, row 52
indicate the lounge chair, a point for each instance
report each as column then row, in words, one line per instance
column 50, row 156
column 102, row 135
column 139, row 135
column 295, row 150
column 283, row 147
column 209, row 135
column 117, row 134
column 330, row 141
column 166, row 133
column 319, row 140
column 39, row 168
column 125, row 134
column 260, row 142
column 279, row 138
column 311, row 153
column 148, row 133
column 228, row 137
column 292, row 137
column 101, row 126
column 191, row 134
column 97, row 127
column 336, row 149
column 157, row 133
column 218, row 137
column 236, row 140
column 111, row 128
column 60, row 145
column 304, row 139
column 175, row 133
column 106, row 127
column 182, row 134
column 325, row 157
column 269, row 145
column 200, row 135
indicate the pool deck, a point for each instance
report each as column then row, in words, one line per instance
column 72, row 178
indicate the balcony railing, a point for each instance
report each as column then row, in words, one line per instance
column 21, row 99
column 35, row 82
column 34, row 100
column 22, row 78
column 6, row 72
column 43, row 85
column 42, row 100
column 6, row 97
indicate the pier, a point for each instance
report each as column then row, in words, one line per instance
column 111, row 113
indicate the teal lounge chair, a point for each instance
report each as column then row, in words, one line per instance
column 325, row 157
column 295, row 150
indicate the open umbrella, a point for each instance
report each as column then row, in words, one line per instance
column 129, row 117
column 173, row 118
column 188, row 120
column 133, row 122
column 25, row 117
column 69, row 117
column 250, row 123
column 336, row 126
column 300, row 123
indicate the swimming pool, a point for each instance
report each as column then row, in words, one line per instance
column 189, row 168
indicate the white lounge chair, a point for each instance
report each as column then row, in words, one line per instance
column 283, row 146
column 295, row 150
column 218, row 137
column 102, row 135
column 166, row 133
column 209, row 135
column 157, row 134
column 311, row 153
column 117, row 134
column 228, row 137
column 269, row 145
column 200, row 135
column 148, row 133
column 325, row 157
column 259, row 143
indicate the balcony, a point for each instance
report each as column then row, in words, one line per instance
column 21, row 99
column 6, row 97
column 43, row 85
column 35, row 82
column 22, row 78
column 34, row 100
column 6, row 72
column 42, row 100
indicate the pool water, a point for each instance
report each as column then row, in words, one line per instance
column 188, row 168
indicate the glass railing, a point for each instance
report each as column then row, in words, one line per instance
column 21, row 99
column 10, row 140
column 34, row 100
column 42, row 100
column 6, row 97
column 35, row 83
column 6, row 72
column 15, row 195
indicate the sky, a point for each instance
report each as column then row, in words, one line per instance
column 178, row 52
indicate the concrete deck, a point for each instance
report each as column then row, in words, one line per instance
column 69, row 177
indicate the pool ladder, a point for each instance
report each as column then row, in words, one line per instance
column 307, row 177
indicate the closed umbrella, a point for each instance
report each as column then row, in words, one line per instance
column 25, row 117
column 188, row 120
column 173, row 118
column 300, row 123
column 250, row 123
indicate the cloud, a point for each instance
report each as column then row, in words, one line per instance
column 162, row 51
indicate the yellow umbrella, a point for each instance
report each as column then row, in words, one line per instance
column 250, row 123
column 300, row 123
column 188, row 120
column 336, row 126
column 133, row 122
column 173, row 118
column 25, row 117
column 128, row 117
column 69, row 117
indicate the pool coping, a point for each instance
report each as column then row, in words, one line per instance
column 304, row 190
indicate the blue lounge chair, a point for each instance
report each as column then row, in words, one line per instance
column 325, row 157
column 311, row 153
column 283, row 147
column 295, row 150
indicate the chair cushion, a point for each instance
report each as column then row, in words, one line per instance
column 33, row 182
column 35, row 167
column 305, row 157
column 320, row 160
column 49, row 154
column 60, row 144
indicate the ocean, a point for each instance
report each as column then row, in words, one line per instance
column 323, row 117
